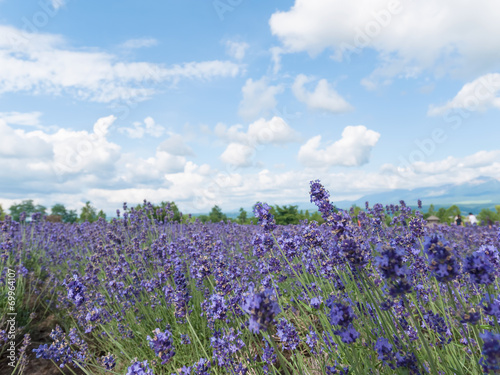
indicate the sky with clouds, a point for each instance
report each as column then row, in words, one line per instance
column 229, row 102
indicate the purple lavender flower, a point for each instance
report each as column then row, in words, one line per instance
column 266, row 220
column 76, row 291
column 392, row 267
column 312, row 340
column 491, row 352
column 202, row 367
column 336, row 369
column 480, row 269
column 108, row 361
column 442, row 260
column 471, row 317
column 384, row 351
column 492, row 307
column 315, row 302
column 226, row 345
column 139, row 368
column 288, row 335
column 162, row 344
column 262, row 308
column 342, row 316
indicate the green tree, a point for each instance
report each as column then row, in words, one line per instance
column 101, row 214
column 286, row 215
column 489, row 216
column 70, row 217
column 2, row 213
column 431, row 211
column 27, row 207
column 216, row 215
column 203, row 218
column 88, row 213
column 242, row 217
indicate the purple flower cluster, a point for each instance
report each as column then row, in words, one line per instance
column 391, row 265
column 491, row 353
column 262, row 211
column 225, row 345
column 262, row 307
column 443, row 262
column 139, row 368
column 76, row 291
column 162, row 344
column 479, row 267
column 287, row 334
column 342, row 316
column 202, row 367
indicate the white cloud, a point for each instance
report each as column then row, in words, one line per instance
column 275, row 131
column 238, row 154
column 175, row 145
column 409, row 36
column 58, row 3
column 21, row 144
column 43, row 63
column 139, row 43
column 259, row 98
column 353, row 149
column 236, row 50
column 478, row 95
column 21, row 118
column 242, row 144
column 324, row 97
column 148, row 127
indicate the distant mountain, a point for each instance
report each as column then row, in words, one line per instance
column 472, row 196
column 482, row 192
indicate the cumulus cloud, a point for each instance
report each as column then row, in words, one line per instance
column 478, row 95
column 21, row 118
column 140, row 129
column 456, row 37
column 43, row 63
column 238, row 154
column 242, row 143
column 236, row 50
column 259, row 98
column 175, row 145
column 324, row 97
column 353, row 149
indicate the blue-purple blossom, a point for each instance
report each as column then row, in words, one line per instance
column 76, row 291
column 266, row 220
column 162, row 344
column 262, row 307
column 443, row 262
column 490, row 361
column 479, row 268
column 287, row 334
column 139, row 368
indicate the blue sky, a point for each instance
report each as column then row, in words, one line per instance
column 229, row 102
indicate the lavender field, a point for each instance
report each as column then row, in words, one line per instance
column 350, row 296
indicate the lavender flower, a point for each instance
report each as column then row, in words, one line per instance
column 76, row 291
column 262, row 308
column 162, row 344
column 491, row 352
column 288, row 335
column 266, row 220
column 139, row 368
column 442, row 260
column 384, row 351
column 480, row 269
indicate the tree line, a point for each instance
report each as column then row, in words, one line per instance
column 168, row 211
